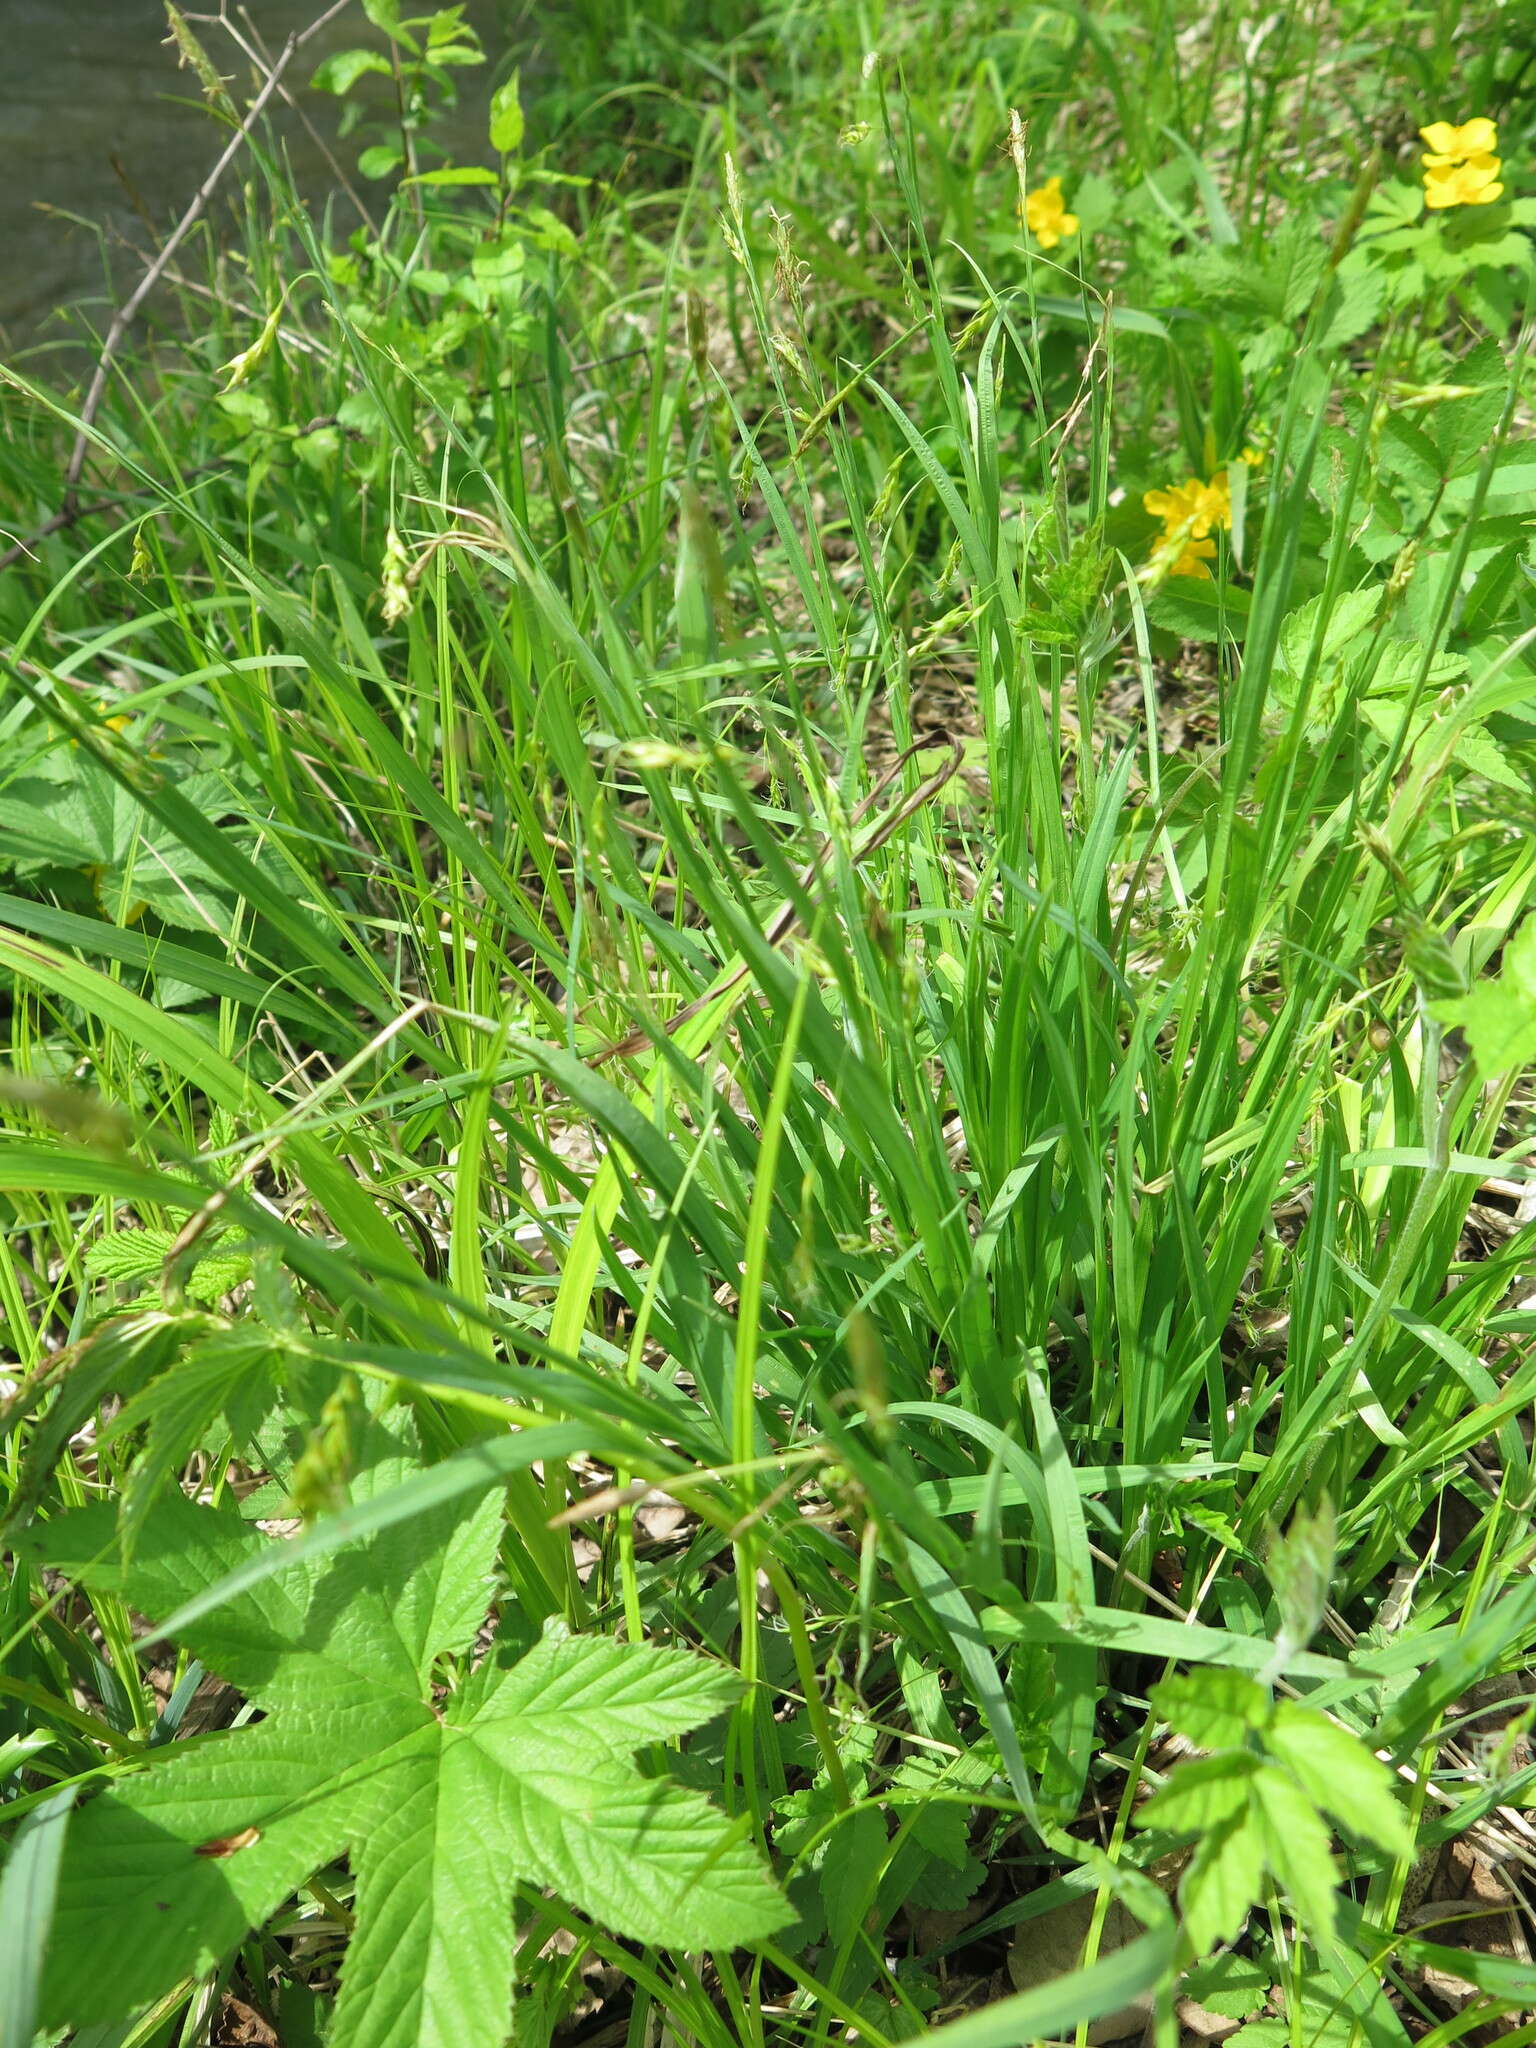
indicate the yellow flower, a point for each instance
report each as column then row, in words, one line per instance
column 1189, row 511
column 1046, row 216
column 1449, row 145
column 1460, row 168
column 1474, row 183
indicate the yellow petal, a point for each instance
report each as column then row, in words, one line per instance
column 1191, row 562
column 1069, row 223
column 1476, row 138
column 1472, row 138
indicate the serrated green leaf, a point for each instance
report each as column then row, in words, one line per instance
column 1232, row 1985
column 1215, row 1709
column 431, row 1963
column 368, row 1621
column 643, row 1857
column 221, row 1374
column 1344, row 620
column 620, row 1696
column 441, row 1810
column 850, row 1870
column 941, row 1828
column 165, row 1874
column 1225, row 1877
column 1207, row 1793
column 1299, row 1851
column 1499, row 1016
column 130, row 1255
column 1339, row 1774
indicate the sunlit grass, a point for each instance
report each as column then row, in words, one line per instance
column 675, row 862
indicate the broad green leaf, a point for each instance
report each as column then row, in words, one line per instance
column 1215, row 1709
column 1330, row 629
column 507, row 117
column 341, row 71
column 442, row 1810
column 1499, row 1015
column 164, row 1874
column 430, row 1965
column 644, row 1857
column 476, row 1470
column 428, row 1580
column 1222, row 1882
column 621, row 1696
column 367, row 1622
column 1200, row 610
column 130, row 1255
column 1298, row 1849
column 1206, row 1793
column 1235, row 1986
column 91, row 823
column 1339, row 1774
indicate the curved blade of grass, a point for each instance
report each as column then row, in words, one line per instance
column 1058, row 2008
column 28, row 1888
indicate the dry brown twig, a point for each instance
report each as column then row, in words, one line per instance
column 123, row 318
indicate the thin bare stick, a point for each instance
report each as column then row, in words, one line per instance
column 122, row 320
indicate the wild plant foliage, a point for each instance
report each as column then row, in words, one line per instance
column 766, row 907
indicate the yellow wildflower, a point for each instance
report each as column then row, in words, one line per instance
column 1451, row 145
column 1474, row 183
column 1046, row 216
column 1189, row 511
column 1460, row 168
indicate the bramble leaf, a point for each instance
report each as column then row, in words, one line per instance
column 1224, row 1879
column 1215, row 1709
column 1205, row 1794
column 444, row 1806
column 1297, row 1849
column 1338, row 1773
column 1499, row 1016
